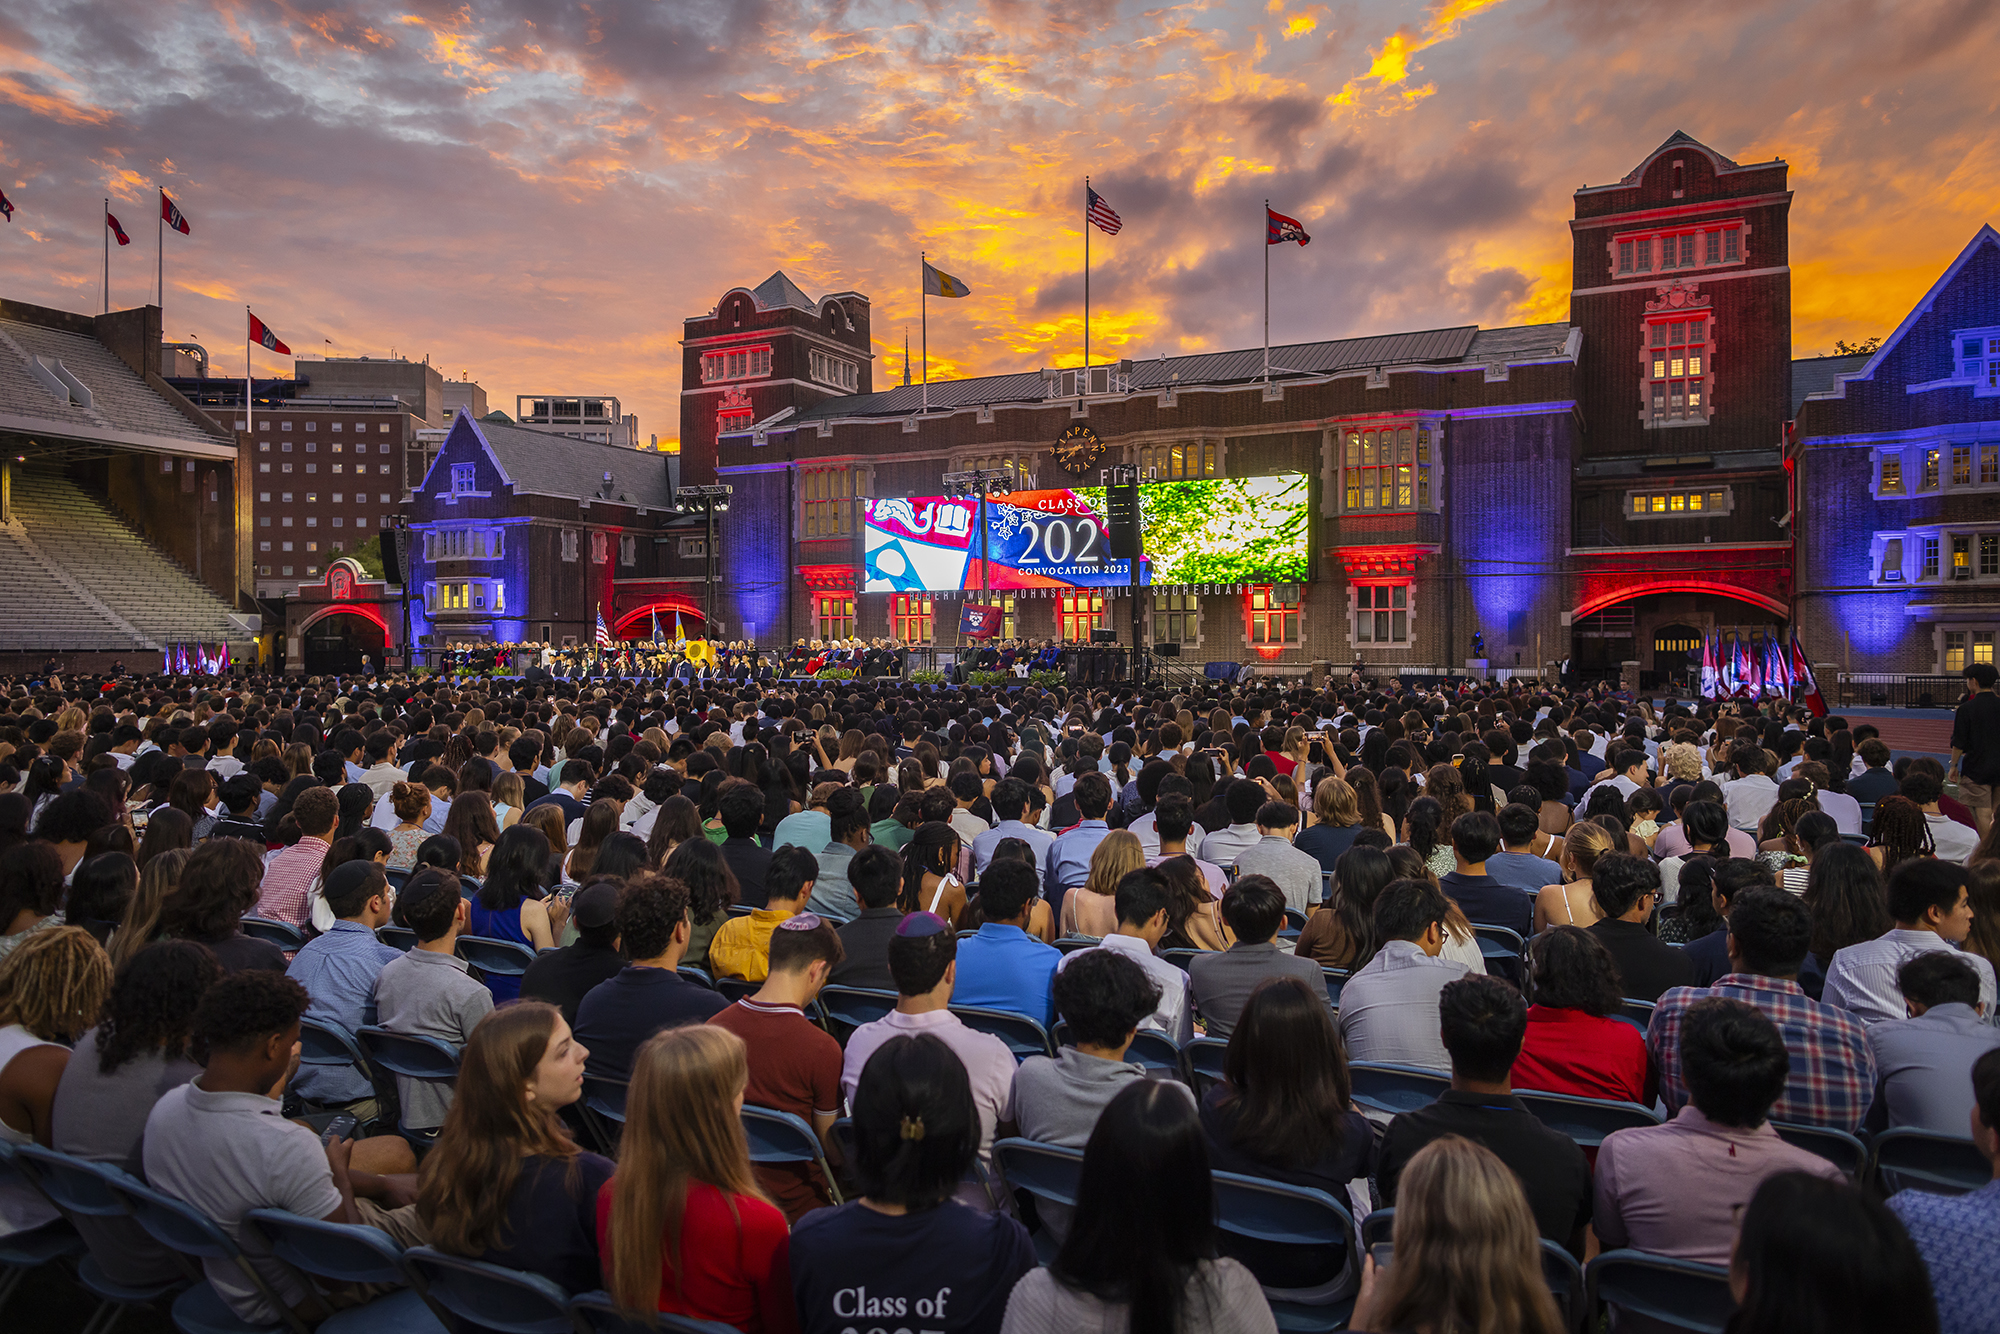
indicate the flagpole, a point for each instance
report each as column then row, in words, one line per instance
column 1083, row 385
column 160, row 261
column 924, row 307
column 1267, row 291
column 249, row 397
column 106, row 229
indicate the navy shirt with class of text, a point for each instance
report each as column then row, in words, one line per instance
column 948, row 1269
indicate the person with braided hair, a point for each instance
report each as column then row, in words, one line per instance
column 1901, row 832
column 51, row 989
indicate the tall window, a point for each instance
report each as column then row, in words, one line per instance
column 569, row 544
column 833, row 615
column 831, row 370
column 1989, row 553
column 1381, row 614
column 1678, row 359
column 740, row 363
column 910, row 617
column 1961, row 465
column 1077, row 614
column 1930, row 469
column 597, row 548
column 1194, row 459
column 1388, row 468
column 1274, row 614
column 1176, row 617
column 830, row 499
column 1892, row 472
column 1930, row 558
column 628, row 551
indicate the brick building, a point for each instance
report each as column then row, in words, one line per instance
column 1602, row 490
column 1900, row 550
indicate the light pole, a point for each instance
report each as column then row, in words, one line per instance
column 399, row 533
column 709, row 501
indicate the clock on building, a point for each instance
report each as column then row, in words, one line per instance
column 1077, row 450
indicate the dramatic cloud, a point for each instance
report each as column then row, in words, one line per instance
column 538, row 192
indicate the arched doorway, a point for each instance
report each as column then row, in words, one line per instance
column 1676, row 652
column 343, row 641
column 638, row 622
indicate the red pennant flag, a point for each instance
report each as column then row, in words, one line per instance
column 111, row 221
column 260, row 334
column 171, row 215
column 1279, row 229
column 6, row 206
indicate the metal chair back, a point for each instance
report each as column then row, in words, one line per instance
column 493, row 957
column 1678, row 1293
column 1586, row 1120
column 850, row 1007
column 1393, row 1089
column 1023, row 1036
column 397, row 937
column 508, row 1300
column 1254, row 1214
column 1847, row 1152
column 1910, row 1159
column 282, row 934
column 782, row 1137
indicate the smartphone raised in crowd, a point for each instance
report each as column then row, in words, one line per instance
column 340, row 1127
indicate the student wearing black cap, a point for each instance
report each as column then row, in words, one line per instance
column 562, row 977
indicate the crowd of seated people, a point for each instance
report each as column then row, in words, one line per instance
column 924, row 924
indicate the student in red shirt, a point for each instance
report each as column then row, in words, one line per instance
column 794, row 1064
column 1573, row 1045
column 682, row 1227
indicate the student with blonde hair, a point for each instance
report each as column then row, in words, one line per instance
column 1466, row 1253
column 1572, row 903
column 52, row 989
column 1091, row 909
column 683, row 1227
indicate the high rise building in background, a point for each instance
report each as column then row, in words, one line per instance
column 596, row 419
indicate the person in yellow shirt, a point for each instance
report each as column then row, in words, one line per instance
column 742, row 947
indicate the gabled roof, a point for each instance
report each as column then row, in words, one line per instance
column 1679, row 139
column 1984, row 236
column 555, row 465
column 1816, row 375
column 1463, row 345
column 778, row 290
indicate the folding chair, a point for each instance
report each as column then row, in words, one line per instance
column 597, row 1313
column 603, row 1110
column 322, row 1043
column 1502, row 948
column 1311, row 1288
column 1205, row 1058
column 1394, row 1089
column 409, row 1056
column 733, row 989
column 1679, row 1293
column 1071, row 944
column 492, row 957
column 282, row 934
column 21, row 1253
column 848, row 1008
column 1336, row 978
column 1150, row 1048
column 83, row 1189
column 397, row 937
column 1295, row 922
column 1634, row 1011
column 347, row 1253
column 1023, row 1036
column 511, row 1301
column 740, row 910
column 1847, row 1152
column 1911, row 1159
column 398, row 877
column 1048, row 1172
column 1586, row 1120
column 781, row 1137
column 698, row 976
column 199, row 1309
column 1180, row 957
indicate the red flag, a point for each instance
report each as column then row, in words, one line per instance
column 260, row 333
column 6, row 206
column 111, row 221
column 171, row 215
column 1279, row 229
column 979, row 622
column 1802, row 676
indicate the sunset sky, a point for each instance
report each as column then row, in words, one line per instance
column 538, row 193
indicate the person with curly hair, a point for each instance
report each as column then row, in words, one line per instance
column 1576, row 1044
column 218, row 886
column 118, row 1071
column 218, row 1143
column 51, row 989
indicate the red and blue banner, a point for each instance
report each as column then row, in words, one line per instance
column 1034, row 539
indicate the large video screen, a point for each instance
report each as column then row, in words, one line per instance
column 1235, row 531
column 1251, row 530
column 1034, row 539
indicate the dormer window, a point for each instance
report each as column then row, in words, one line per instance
column 1976, row 359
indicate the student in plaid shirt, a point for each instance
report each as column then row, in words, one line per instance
column 1832, row 1080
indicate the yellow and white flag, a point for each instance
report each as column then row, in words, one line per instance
column 939, row 283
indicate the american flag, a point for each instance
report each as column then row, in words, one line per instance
column 603, row 632
column 1101, row 214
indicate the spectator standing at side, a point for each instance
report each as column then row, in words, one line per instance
column 1975, row 743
